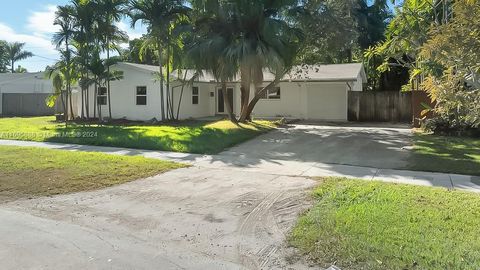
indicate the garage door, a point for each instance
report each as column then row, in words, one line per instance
column 14, row 104
column 327, row 102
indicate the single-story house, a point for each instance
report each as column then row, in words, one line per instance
column 24, row 94
column 318, row 92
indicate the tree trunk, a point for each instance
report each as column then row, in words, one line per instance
column 71, row 104
column 87, row 103
column 99, row 106
column 13, row 68
column 162, row 100
column 181, row 95
column 95, row 101
column 82, row 92
column 246, row 114
column 231, row 116
column 108, row 81
column 169, row 98
column 62, row 94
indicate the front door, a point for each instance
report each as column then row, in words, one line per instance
column 221, row 106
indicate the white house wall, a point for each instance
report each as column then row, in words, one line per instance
column 123, row 96
column 302, row 100
column 290, row 104
column 189, row 110
column 307, row 100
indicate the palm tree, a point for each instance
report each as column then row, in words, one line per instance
column 65, row 20
column 112, row 12
column 247, row 37
column 101, row 75
column 85, row 13
column 15, row 53
column 62, row 75
column 160, row 16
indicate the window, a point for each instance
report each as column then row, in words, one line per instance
column 141, row 95
column 102, row 96
column 271, row 94
column 195, row 95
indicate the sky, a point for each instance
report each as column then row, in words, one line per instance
column 31, row 21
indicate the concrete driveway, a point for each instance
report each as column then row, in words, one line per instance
column 383, row 146
column 194, row 218
column 229, row 211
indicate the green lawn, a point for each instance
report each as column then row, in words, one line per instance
column 446, row 154
column 192, row 136
column 372, row 225
column 29, row 172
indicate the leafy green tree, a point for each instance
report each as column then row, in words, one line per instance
column 85, row 14
column 246, row 37
column 15, row 53
column 65, row 20
column 112, row 11
column 137, row 53
column 21, row 69
column 4, row 62
column 62, row 75
column 160, row 16
column 454, row 47
column 101, row 75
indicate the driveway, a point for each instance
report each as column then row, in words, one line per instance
column 382, row 146
column 194, row 218
column 229, row 211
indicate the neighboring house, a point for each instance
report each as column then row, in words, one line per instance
column 24, row 94
column 307, row 92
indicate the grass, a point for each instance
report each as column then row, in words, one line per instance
column 459, row 155
column 192, row 137
column 27, row 172
column 371, row 225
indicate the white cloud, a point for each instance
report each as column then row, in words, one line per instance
column 41, row 22
column 35, row 41
column 132, row 33
column 37, row 34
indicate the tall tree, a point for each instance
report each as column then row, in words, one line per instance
column 112, row 12
column 246, row 38
column 65, row 20
column 85, row 13
column 160, row 16
column 16, row 53
column 4, row 62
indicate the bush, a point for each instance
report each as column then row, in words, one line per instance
column 457, row 106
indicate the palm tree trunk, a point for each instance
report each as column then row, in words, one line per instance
column 231, row 116
column 87, row 103
column 181, row 95
column 108, row 81
column 82, row 92
column 161, row 80
column 64, row 108
column 13, row 68
column 169, row 99
column 95, row 101
column 247, row 113
column 71, row 105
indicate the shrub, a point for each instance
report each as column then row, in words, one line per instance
column 457, row 103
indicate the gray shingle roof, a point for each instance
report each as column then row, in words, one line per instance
column 320, row 73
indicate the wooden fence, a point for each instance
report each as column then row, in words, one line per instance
column 387, row 106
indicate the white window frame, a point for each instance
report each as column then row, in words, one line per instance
column 104, row 96
column 196, row 95
column 137, row 95
column 268, row 97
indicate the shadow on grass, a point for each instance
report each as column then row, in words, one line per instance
column 446, row 154
column 194, row 137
